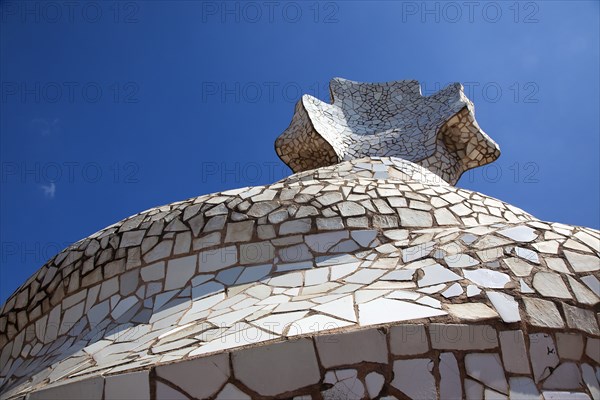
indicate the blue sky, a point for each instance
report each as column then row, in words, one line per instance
column 111, row 108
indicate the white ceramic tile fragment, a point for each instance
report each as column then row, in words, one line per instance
column 519, row 233
column 592, row 349
column 471, row 311
column 435, row 274
column 550, row 285
column 240, row 338
column 460, row 261
column 592, row 282
column 342, row 308
column 487, row 278
column 560, row 395
column 487, row 368
column 364, row 237
column 408, row 339
column 514, row 352
column 450, row 385
column 462, row 337
column 365, row 276
column 414, row 378
column 591, row 380
column 523, row 388
column 453, row 291
column 346, row 385
column 381, row 311
column 127, row 386
column 374, row 382
column 284, row 367
column 543, row 355
column 473, row 290
column 255, row 273
column 293, row 279
column 216, row 259
column 417, row 252
column 582, row 293
column 570, row 345
column 277, row 323
column 581, row 319
column 473, row 389
column 582, row 262
column 352, row 348
column 524, row 287
column 506, row 306
column 180, row 271
column 518, row 266
column 316, row 323
column 566, row 376
column 489, row 394
column 213, row 369
column 527, row 254
column 399, row 275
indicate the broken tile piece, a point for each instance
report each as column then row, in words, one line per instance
column 346, row 385
column 582, row 262
column 435, row 274
column 514, row 352
column 453, row 291
column 460, row 261
column 523, row 388
column 213, row 369
column 462, row 337
column 582, row 319
column 487, row 368
column 506, row 306
column 543, row 355
column 582, row 293
column 414, row 378
column 380, row 311
column 543, row 313
column 450, row 384
column 180, row 271
column 592, row 282
column 487, row 278
column 471, row 311
column 352, row 348
column 550, row 285
column 518, row 266
column 374, row 382
column 239, row 231
column 570, row 345
column 408, row 340
column 519, row 233
column 284, row 367
column 341, row 308
column 566, row 376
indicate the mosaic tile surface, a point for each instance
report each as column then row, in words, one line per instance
column 389, row 119
column 370, row 278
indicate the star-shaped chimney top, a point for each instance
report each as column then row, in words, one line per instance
column 390, row 119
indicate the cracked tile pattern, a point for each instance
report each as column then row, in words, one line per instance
column 371, row 278
column 107, row 305
column 389, row 119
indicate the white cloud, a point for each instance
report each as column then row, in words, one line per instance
column 49, row 190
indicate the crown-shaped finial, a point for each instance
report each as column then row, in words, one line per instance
column 390, row 119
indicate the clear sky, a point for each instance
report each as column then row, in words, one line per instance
column 110, row 108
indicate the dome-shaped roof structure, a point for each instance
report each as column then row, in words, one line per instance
column 370, row 278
